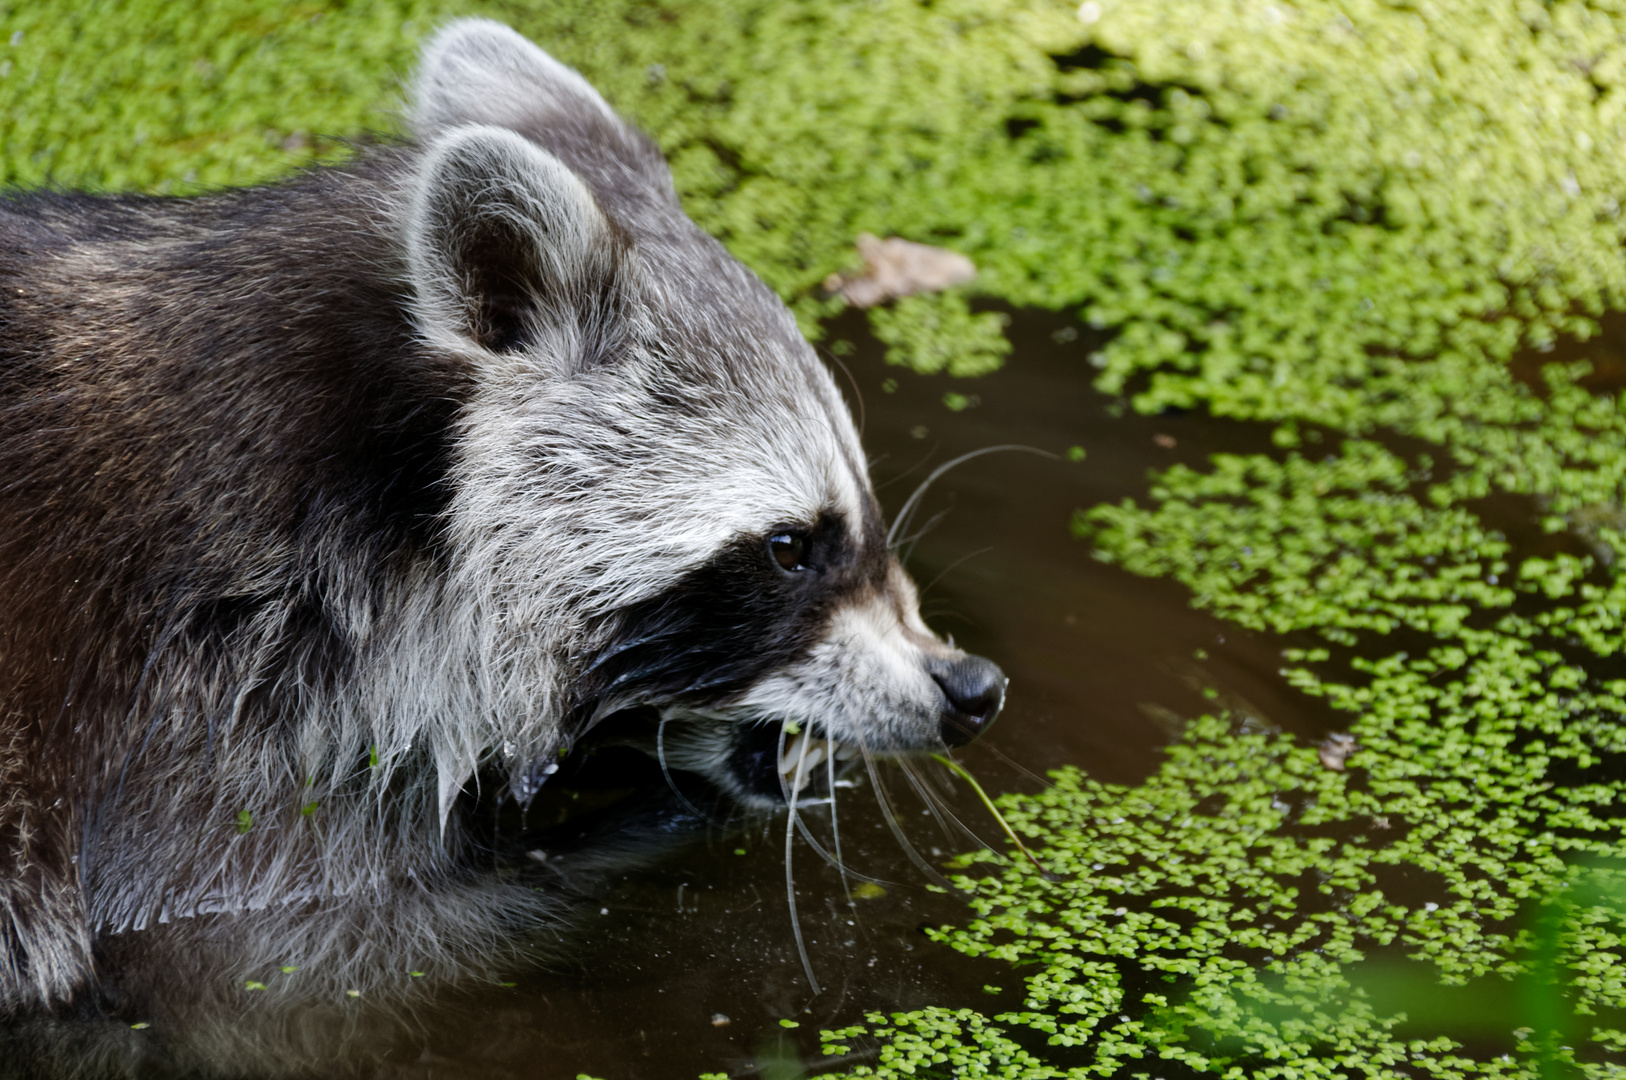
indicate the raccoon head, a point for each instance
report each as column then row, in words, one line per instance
column 659, row 498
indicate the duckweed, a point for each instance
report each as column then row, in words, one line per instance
column 1452, row 903
column 1339, row 220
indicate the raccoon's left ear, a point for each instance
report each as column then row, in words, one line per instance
column 503, row 241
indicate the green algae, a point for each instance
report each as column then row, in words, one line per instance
column 934, row 333
column 1337, row 219
column 1317, row 178
column 149, row 96
column 1249, row 911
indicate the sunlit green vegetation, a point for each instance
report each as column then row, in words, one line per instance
column 1339, row 220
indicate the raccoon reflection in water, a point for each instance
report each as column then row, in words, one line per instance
column 326, row 497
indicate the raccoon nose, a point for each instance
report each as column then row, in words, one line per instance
column 975, row 689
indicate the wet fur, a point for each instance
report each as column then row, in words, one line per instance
column 318, row 498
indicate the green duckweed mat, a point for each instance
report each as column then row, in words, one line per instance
column 1344, row 221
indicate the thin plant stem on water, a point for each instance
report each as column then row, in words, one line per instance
column 960, row 770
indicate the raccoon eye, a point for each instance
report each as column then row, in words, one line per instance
column 788, row 549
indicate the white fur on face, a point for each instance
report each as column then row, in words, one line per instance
column 863, row 687
column 864, row 683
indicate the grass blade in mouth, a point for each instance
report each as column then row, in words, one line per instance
column 960, row 771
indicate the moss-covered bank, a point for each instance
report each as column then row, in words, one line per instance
column 1341, row 220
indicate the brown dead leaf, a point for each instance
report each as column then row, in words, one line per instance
column 895, row 267
column 1336, row 748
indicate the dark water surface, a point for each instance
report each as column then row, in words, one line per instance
column 1099, row 662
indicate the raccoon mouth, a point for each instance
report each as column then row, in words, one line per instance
column 773, row 762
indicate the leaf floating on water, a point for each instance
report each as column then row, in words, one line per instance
column 252, row 985
column 245, row 821
column 895, row 268
column 868, row 890
column 1336, row 748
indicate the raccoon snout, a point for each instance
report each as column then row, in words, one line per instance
column 975, row 692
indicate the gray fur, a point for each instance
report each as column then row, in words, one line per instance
column 318, row 499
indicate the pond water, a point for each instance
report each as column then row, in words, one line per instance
column 1100, row 662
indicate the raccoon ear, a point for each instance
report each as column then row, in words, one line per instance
column 475, row 71
column 502, row 239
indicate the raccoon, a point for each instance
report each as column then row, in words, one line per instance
column 321, row 499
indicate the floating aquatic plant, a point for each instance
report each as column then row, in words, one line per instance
column 1340, row 220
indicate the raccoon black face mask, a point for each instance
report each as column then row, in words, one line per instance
column 318, row 497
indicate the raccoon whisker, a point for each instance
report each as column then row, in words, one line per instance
column 944, row 572
column 660, row 756
column 916, row 533
column 812, row 842
column 934, row 786
column 785, row 787
column 901, row 522
column 835, row 829
column 897, row 830
column 965, row 774
column 790, row 880
column 1006, row 758
column 858, row 395
column 824, row 853
column 833, row 860
column 905, row 474
column 906, row 545
column 938, row 807
column 830, row 780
